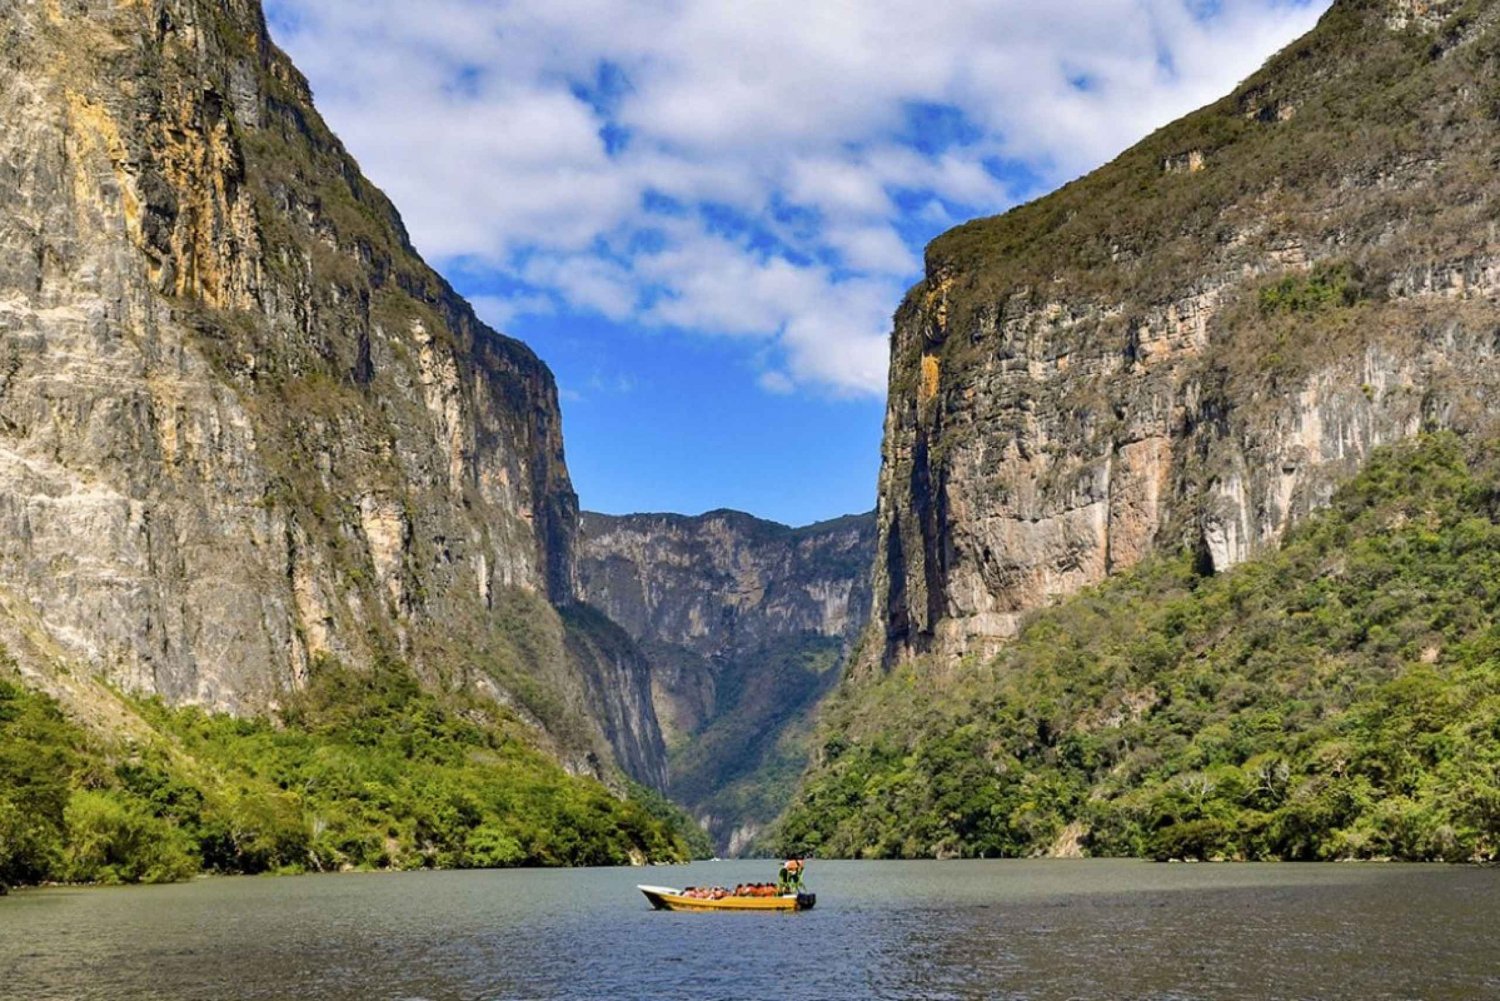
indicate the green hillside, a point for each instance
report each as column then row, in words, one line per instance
column 1339, row 698
column 362, row 770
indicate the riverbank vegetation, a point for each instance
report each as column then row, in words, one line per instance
column 1338, row 698
column 359, row 770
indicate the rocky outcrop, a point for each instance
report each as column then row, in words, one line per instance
column 745, row 624
column 242, row 425
column 1193, row 345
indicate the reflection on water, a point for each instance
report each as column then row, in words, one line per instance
column 939, row 930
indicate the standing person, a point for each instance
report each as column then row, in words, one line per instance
column 789, row 879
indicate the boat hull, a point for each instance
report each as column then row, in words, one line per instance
column 666, row 899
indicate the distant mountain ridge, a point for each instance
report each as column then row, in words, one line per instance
column 746, row 624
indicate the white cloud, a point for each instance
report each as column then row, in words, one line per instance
column 878, row 249
column 731, row 169
column 500, row 311
column 776, row 381
column 838, row 186
column 601, row 285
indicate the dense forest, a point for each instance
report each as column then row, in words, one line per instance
column 361, row 770
column 1338, row 698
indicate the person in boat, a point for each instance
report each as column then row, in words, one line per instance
column 791, row 877
column 789, row 880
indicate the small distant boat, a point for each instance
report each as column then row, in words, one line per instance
column 665, row 898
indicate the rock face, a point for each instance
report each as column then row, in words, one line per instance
column 242, row 424
column 1194, row 344
column 618, row 679
column 745, row 624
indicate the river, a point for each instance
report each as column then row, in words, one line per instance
column 929, row 930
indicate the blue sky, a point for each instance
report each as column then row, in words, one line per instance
column 702, row 213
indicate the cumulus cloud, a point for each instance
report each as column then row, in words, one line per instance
column 764, row 171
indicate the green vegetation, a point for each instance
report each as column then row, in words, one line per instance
column 1339, row 698
column 742, row 767
column 1325, row 287
column 360, row 770
column 695, row 840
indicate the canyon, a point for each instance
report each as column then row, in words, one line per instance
column 246, row 431
column 250, row 439
column 747, row 625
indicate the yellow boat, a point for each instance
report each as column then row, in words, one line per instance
column 665, row 898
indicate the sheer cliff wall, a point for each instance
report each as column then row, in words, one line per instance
column 242, row 424
column 1194, row 344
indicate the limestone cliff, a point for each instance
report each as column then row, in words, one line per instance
column 745, row 623
column 242, row 424
column 1194, row 344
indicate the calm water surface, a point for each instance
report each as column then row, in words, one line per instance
column 1022, row 930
